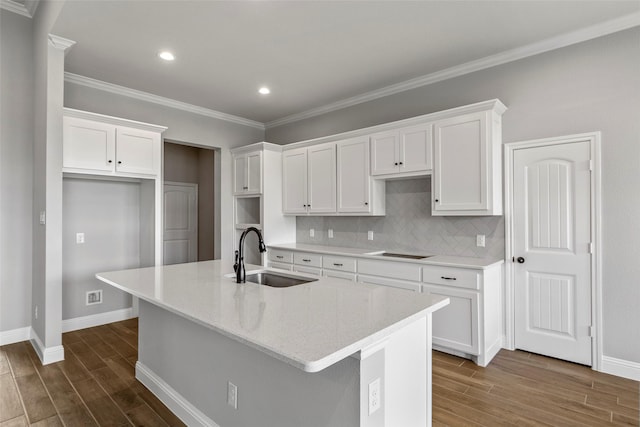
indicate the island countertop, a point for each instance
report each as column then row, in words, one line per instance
column 309, row 326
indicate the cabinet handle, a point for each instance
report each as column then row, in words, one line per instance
column 436, row 200
column 400, row 163
column 304, row 206
column 337, row 265
column 448, row 278
column 109, row 161
column 245, row 188
column 306, row 260
column 366, row 203
column 279, row 256
column 396, row 163
column 119, row 162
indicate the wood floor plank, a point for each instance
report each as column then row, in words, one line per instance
column 632, row 402
column 159, row 408
column 145, row 416
column 120, row 391
column 439, row 356
column 49, row 422
column 448, row 419
column 4, row 363
column 35, row 398
column 449, row 384
column 73, row 368
column 104, row 410
column 69, row 405
column 121, row 346
column 625, row 421
column 20, row 421
column 10, row 404
column 19, row 359
column 129, row 336
column 86, row 355
column 461, row 378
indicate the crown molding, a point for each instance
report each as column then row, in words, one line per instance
column 32, row 6
column 160, row 100
column 605, row 28
column 15, row 7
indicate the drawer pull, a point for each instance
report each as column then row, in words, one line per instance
column 279, row 256
column 448, row 278
column 337, row 265
column 306, row 260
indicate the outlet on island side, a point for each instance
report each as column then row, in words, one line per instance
column 374, row 396
column 94, row 297
column 232, row 395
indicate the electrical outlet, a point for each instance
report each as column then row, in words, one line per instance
column 94, row 297
column 480, row 240
column 36, row 312
column 312, row 232
column 370, row 235
column 330, row 233
column 232, row 395
column 43, row 217
column 79, row 238
column 374, row 396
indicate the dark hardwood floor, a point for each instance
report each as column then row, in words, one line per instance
column 95, row 385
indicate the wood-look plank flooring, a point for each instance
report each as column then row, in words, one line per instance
column 95, row 385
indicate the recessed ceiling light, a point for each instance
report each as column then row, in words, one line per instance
column 166, row 55
column 264, row 90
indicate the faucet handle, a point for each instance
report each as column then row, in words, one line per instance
column 235, row 265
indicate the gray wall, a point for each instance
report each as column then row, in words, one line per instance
column 183, row 163
column 409, row 227
column 590, row 86
column 108, row 213
column 16, row 170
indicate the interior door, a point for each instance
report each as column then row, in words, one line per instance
column 552, row 237
column 180, row 223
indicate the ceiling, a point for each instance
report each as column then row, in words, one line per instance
column 310, row 53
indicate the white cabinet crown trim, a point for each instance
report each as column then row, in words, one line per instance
column 117, row 121
column 494, row 104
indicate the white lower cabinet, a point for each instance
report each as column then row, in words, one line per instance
column 383, row 281
column 280, row 265
column 339, row 275
column 308, row 270
column 456, row 325
column 471, row 325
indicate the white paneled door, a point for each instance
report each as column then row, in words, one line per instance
column 180, row 223
column 552, row 241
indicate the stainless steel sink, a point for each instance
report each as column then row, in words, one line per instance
column 406, row 256
column 276, row 280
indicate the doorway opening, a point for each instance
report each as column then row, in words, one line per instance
column 191, row 203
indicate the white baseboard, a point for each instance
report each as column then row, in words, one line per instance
column 99, row 319
column 620, row 368
column 180, row 406
column 15, row 335
column 47, row 355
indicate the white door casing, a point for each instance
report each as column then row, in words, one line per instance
column 180, row 217
column 553, row 296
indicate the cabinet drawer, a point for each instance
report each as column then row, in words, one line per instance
column 389, row 282
column 395, row 270
column 281, row 265
column 339, row 263
column 305, row 258
column 279, row 255
column 309, row 270
column 447, row 276
column 339, row 275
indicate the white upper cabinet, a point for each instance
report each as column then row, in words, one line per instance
column 309, row 180
column 467, row 177
column 402, row 152
column 101, row 147
column 247, row 174
column 357, row 191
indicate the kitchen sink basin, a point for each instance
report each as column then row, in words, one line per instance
column 276, row 280
column 406, row 256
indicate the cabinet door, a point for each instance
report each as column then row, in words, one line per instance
column 240, row 174
column 294, row 181
column 137, row 151
column 88, row 145
column 416, row 149
column 460, row 164
column 322, row 178
column 254, row 172
column 383, row 281
column 456, row 325
column 384, row 153
column 354, row 181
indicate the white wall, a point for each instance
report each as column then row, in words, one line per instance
column 590, row 86
column 16, row 181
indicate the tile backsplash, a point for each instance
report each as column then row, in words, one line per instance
column 408, row 227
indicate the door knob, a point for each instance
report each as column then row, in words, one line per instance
column 520, row 260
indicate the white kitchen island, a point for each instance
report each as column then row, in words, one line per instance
column 303, row 356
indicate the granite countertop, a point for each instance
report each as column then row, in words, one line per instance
column 442, row 260
column 310, row 326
